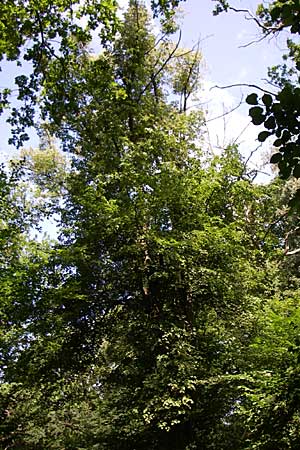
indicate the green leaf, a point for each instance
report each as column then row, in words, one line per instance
column 270, row 123
column 257, row 115
column 267, row 100
column 276, row 158
column 263, row 136
column 252, row 99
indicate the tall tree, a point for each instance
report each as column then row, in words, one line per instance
column 148, row 304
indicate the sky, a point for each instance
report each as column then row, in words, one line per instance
column 228, row 59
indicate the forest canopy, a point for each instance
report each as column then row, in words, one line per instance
column 164, row 314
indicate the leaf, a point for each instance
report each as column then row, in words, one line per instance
column 276, row 158
column 263, row 136
column 285, row 170
column 267, row 100
column 270, row 123
column 296, row 171
column 257, row 115
column 277, row 143
column 286, row 96
column 286, row 136
column 252, row 99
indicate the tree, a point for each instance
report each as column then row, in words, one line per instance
column 140, row 319
column 44, row 32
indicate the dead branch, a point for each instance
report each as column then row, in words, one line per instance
column 251, row 154
column 292, row 252
column 256, row 41
column 241, row 133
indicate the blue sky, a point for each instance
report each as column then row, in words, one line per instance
column 226, row 62
column 230, row 60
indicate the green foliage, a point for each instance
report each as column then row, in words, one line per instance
column 279, row 116
column 281, row 112
column 271, row 407
column 52, row 31
column 165, row 317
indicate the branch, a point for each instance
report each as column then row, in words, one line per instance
column 254, row 86
column 266, row 29
column 44, row 42
column 155, row 75
column 156, row 43
column 264, row 36
column 195, row 46
column 251, row 154
column 187, row 92
column 287, row 250
column 292, row 252
column 272, row 225
column 242, row 132
column 226, row 113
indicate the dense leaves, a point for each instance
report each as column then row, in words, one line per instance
column 165, row 315
column 280, row 116
column 35, row 34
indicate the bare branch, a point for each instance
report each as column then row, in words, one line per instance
column 195, row 46
column 292, row 252
column 227, row 112
column 287, row 251
column 242, row 132
column 264, row 36
column 254, row 86
column 251, row 16
column 155, row 75
column 270, row 83
column 252, row 153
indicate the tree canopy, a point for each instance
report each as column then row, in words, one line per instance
column 165, row 314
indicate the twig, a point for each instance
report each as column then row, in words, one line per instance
column 243, row 85
column 272, row 225
column 241, row 133
column 266, row 29
column 226, row 113
column 161, row 38
column 264, row 36
column 252, row 153
column 154, row 76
